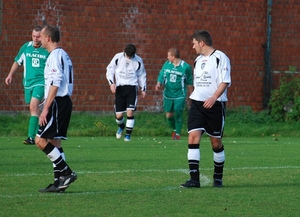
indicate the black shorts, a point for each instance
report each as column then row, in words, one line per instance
column 210, row 120
column 58, row 118
column 126, row 98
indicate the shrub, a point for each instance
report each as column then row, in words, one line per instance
column 284, row 104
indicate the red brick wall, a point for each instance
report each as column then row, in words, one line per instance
column 93, row 31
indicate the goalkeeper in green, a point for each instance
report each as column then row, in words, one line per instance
column 177, row 79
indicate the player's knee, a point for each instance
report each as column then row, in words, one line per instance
column 40, row 142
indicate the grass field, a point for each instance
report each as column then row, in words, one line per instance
column 142, row 177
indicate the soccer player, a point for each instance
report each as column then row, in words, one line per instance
column 33, row 57
column 207, row 111
column 176, row 76
column 125, row 73
column 55, row 117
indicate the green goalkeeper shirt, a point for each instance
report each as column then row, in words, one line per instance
column 33, row 60
column 175, row 79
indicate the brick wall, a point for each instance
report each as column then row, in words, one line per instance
column 93, row 31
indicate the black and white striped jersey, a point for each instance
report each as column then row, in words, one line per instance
column 59, row 73
column 124, row 71
column 209, row 72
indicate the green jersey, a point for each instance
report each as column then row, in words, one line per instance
column 175, row 79
column 33, row 60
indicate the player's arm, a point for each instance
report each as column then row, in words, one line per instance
column 160, row 79
column 157, row 86
column 211, row 101
column 110, row 73
column 224, row 72
column 189, row 80
column 142, row 79
column 19, row 59
column 51, row 95
column 54, row 80
column 15, row 66
column 190, row 89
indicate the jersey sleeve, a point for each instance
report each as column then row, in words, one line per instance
column 56, row 70
column 224, row 70
column 141, row 75
column 161, row 77
column 111, row 70
column 20, row 58
column 189, row 75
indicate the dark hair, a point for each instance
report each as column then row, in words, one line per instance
column 37, row 28
column 130, row 50
column 174, row 52
column 204, row 36
column 52, row 32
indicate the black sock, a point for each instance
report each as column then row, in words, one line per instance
column 121, row 123
column 129, row 125
column 194, row 170
column 194, row 163
column 57, row 172
column 218, row 166
column 56, row 158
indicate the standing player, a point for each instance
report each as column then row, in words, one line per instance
column 33, row 57
column 176, row 76
column 55, row 117
column 207, row 111
column 124, row 73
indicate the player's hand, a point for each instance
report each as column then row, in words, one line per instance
column 8, row 80
column 143, row 94
column 189, row 102
column 43, row 117
column 113, row 88
column 209, row 102
column 157, row 87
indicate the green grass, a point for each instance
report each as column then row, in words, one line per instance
column 142, row 177
column 239, row 123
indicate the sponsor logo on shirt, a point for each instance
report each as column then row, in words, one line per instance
column 33, row 55
column 203, row 65
column 35, row 62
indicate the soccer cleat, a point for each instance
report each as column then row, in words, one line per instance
column 119, row 133
column 65, row 181
column 190, row 184
column 173, row 135
column 127, row 138
column 218, row 183
column 176, row 137
column 29, row 141
column 52, row 188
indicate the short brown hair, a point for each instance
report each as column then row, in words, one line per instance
column 174, row 52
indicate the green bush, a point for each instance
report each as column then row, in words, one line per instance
column 284, row 104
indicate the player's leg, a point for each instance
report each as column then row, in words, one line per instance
column 120, row 108
column 129, row 125
column 37, row 97
column 53, row 132
column 169, row 109
column 219, row 160
column 64, row 115
column 178, row 107
column 195, row 130
column 56, row 171
column 131, row 103
column 61, row 167
column 34, row 116
column 216, row 120
column 171, row 122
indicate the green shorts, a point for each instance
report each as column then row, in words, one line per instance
column 172, row 105
column 36, row 92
